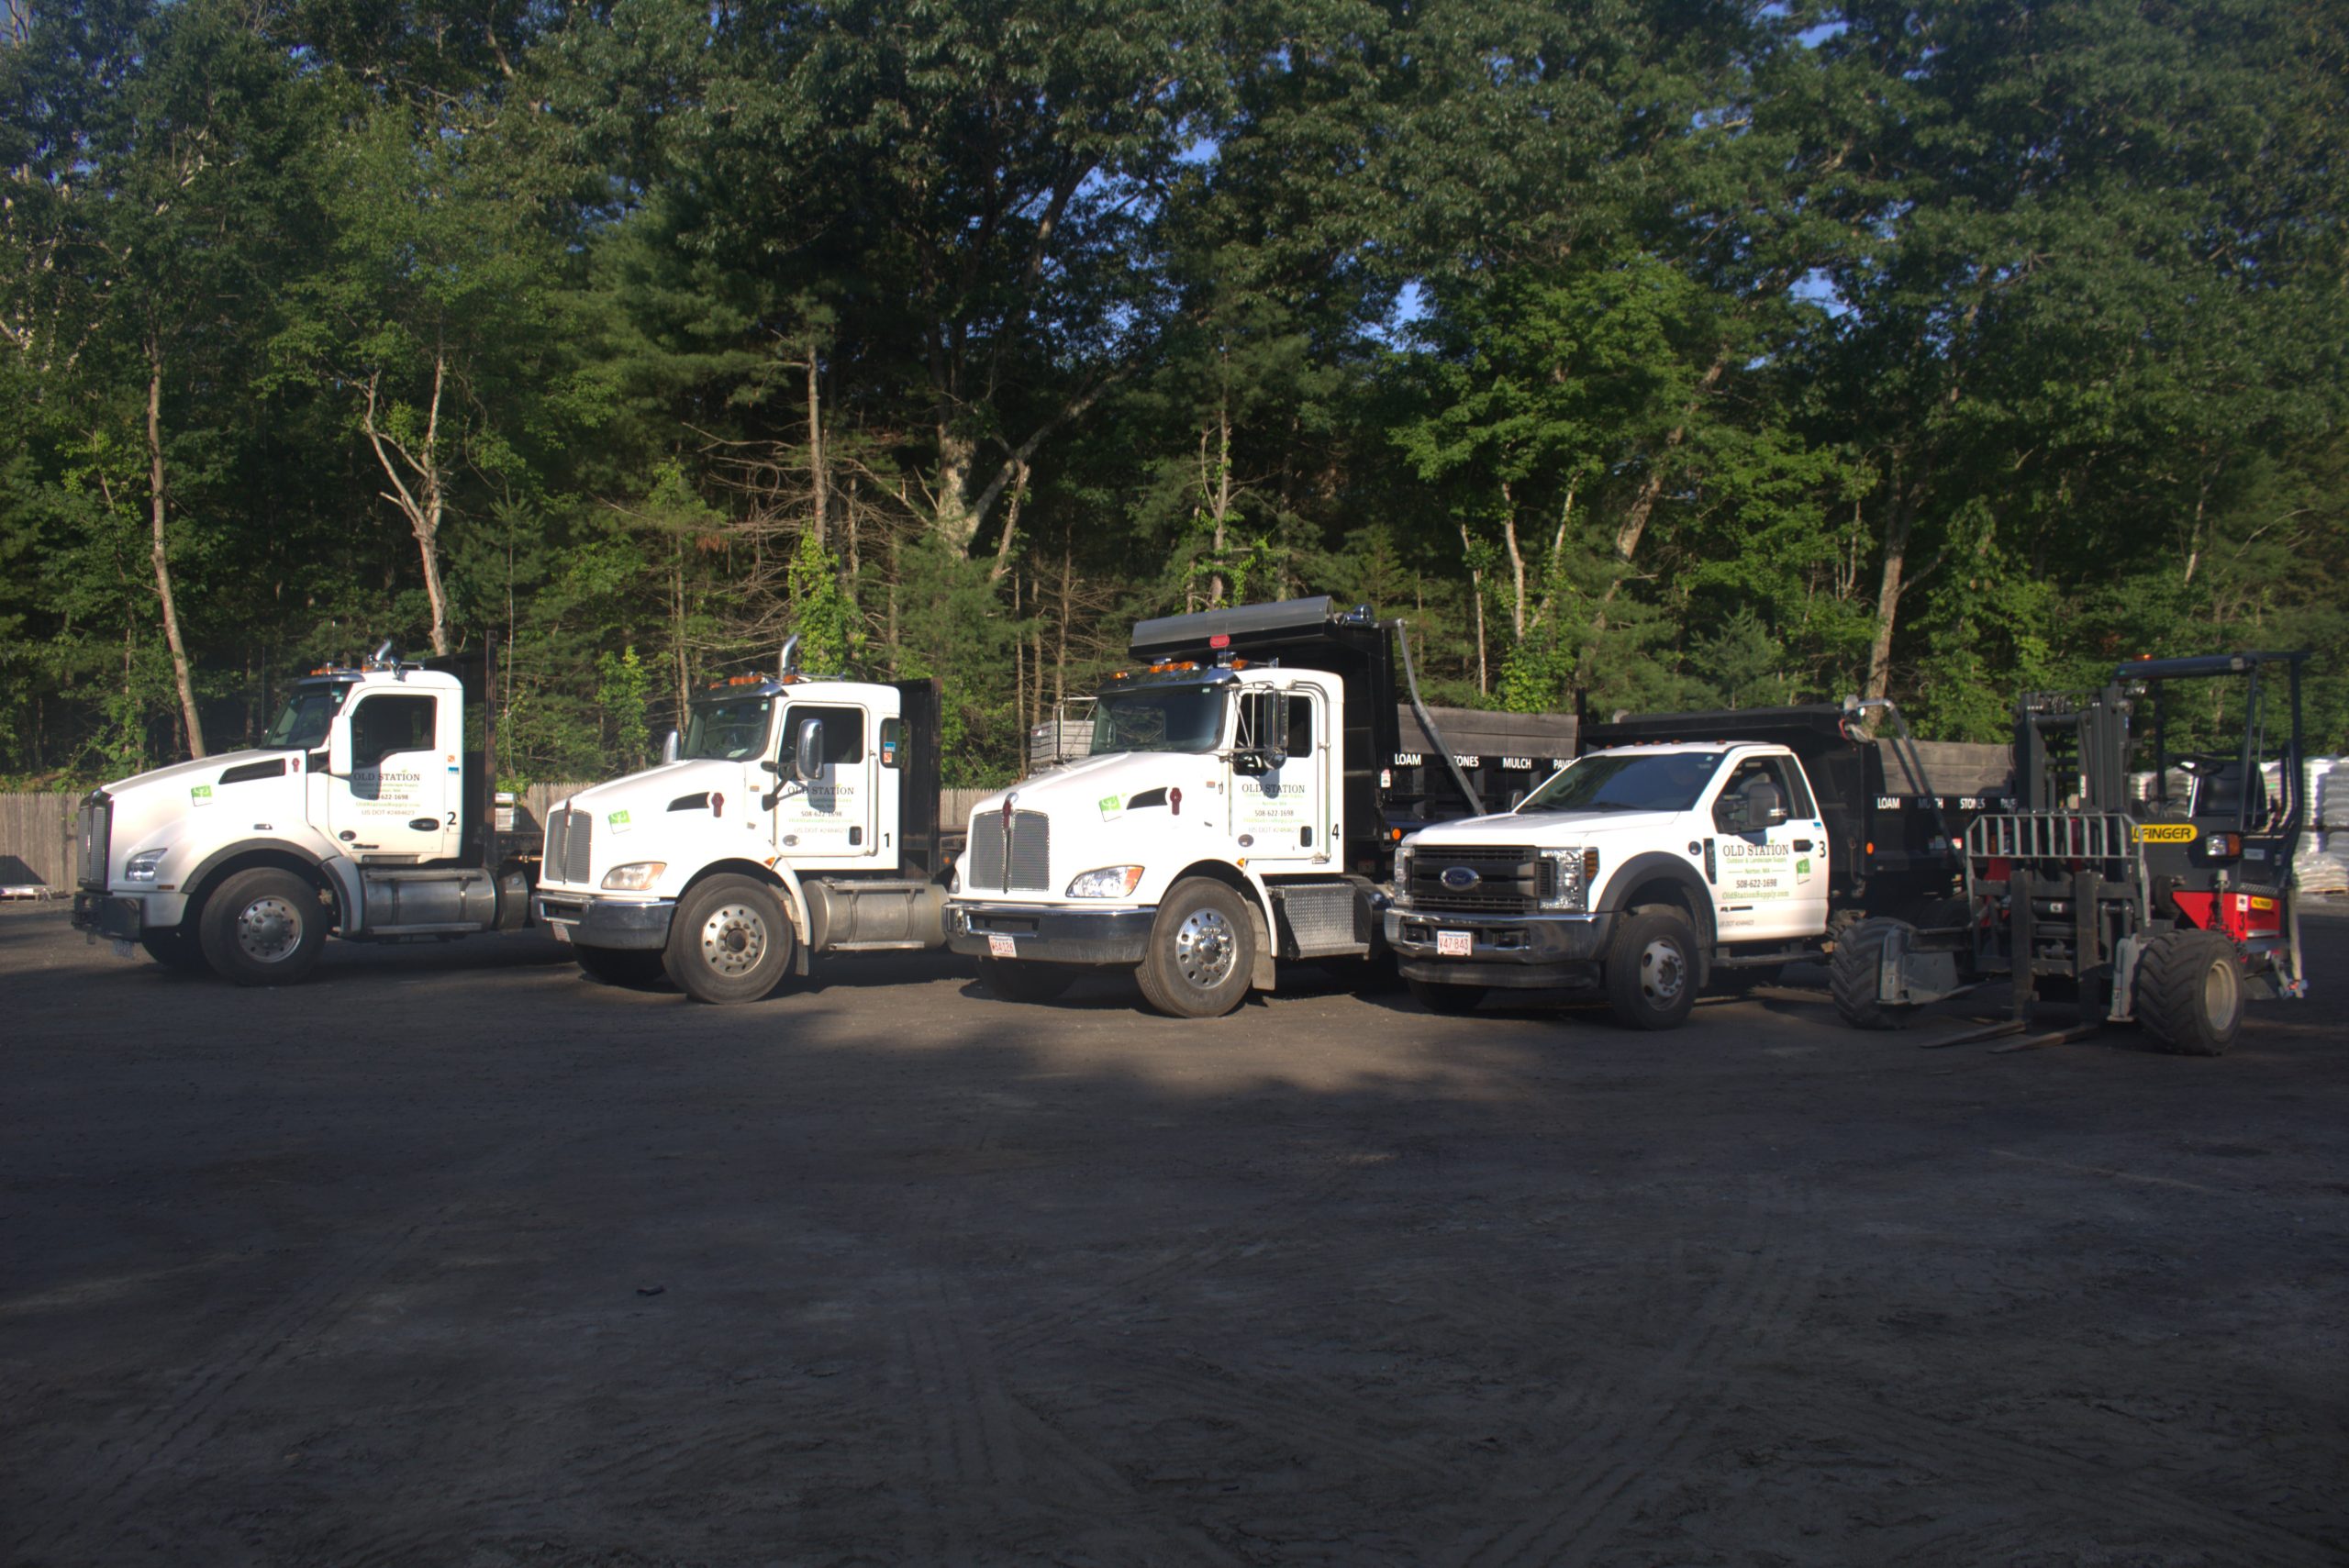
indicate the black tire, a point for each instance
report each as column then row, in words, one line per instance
column 1202, row 952
column 1027, row 980
column 1851, row 975
column 1441, row 996
column 2189, row 993
column 174, row 948
column 730, row 941
column 632, row 967
column 1651, row 969
column 263, row 926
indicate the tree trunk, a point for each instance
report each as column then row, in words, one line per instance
column 424, row 506
column 1010, row 526
column 1476, row 594
column 815, row 475
column 1888, row 595
column 1516, row 564
column 1217, row 586
column 194, row 725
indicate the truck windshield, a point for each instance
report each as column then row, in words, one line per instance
column 1167, row 718
column 1669, row 781
column 306, row 716
column 732, row 730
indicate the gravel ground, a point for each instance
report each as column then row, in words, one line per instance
column 453, row 1257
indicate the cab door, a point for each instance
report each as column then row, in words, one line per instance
column 831, row 815
column 1773, row 852
column 1280, row 816
column 393, row 762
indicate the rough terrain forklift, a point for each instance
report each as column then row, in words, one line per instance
column 2169, row 903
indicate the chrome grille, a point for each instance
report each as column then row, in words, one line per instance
column 568, row 834
column 1512, row 879
column 90, row 842
column 1029, row 862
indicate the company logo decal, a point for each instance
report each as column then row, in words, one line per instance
column 1460, row 879
column 2168, row 833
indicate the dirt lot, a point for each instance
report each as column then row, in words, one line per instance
column 453, row 1257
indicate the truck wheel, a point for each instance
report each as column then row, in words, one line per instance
column 263, row 926
column 1441, row 997
column 1202, row 951
column 1027, row 979
column 2189, row 992
column 176, row 948
column 619, row 966
column 1851, row 975
column 1652, row 968
column 730, row 941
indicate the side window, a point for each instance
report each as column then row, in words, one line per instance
column 381, row 726
column 1255, row 706
column 1799, row 805
column 843, row 730
column 1766, row 781
column 893, row 742
column 1300, row 725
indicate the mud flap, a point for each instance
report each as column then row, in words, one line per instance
column 1260, row 977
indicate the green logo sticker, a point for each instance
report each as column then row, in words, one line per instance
column 1112, row 806
column 1802, row 868
column 619, row 819
column 201, row 795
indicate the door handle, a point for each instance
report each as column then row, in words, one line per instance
column 1802, row 844
column 423, row 824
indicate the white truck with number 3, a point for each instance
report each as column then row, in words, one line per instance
column 1679, row 849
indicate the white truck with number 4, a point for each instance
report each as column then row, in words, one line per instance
column 1238, row 807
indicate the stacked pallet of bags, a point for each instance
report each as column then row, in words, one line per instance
column 2319, row 865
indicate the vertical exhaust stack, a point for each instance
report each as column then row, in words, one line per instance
column 784, row 667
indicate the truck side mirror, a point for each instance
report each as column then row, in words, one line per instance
column 1730, row 815
column 338, row 747
column 807, row 749
column 670, row 746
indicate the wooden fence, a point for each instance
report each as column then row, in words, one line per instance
column 39, row 829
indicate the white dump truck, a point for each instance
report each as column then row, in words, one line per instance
column 793, row 817
column 364, row 813
column 1237, row 808
column 1681, row 847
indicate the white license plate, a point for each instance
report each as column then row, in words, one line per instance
column 1453, row 944
column 562, row 929
column 1000, row 946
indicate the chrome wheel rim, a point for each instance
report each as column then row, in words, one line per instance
column 1663, row 971
column 2219, row 983
column 268, row 930
column 734, row 938
column 1205, row 948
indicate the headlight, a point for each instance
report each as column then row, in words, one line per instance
column 1567, row 877
column 1109, row 881
column 635, row 876
column 1403, row 877
column 142, row 866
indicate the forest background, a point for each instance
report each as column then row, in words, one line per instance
column 1683, row 353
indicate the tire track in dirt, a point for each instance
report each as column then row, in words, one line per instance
column 1946, row 1449
column 129, row 1467
column 1650, row 1420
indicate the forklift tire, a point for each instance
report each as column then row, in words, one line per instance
column 176, row 948
column 1027, row 980
column 1445, row 999
column 632, row 967
column 1652, row 968
column 730, row 942
column 1851, row 975
column 1202, row 951
column 263, row 926
column 2189, row 992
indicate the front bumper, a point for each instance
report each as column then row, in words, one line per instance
column 1526, row 951
column 606, row 922
column 109, row 915
column 1049, row 934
